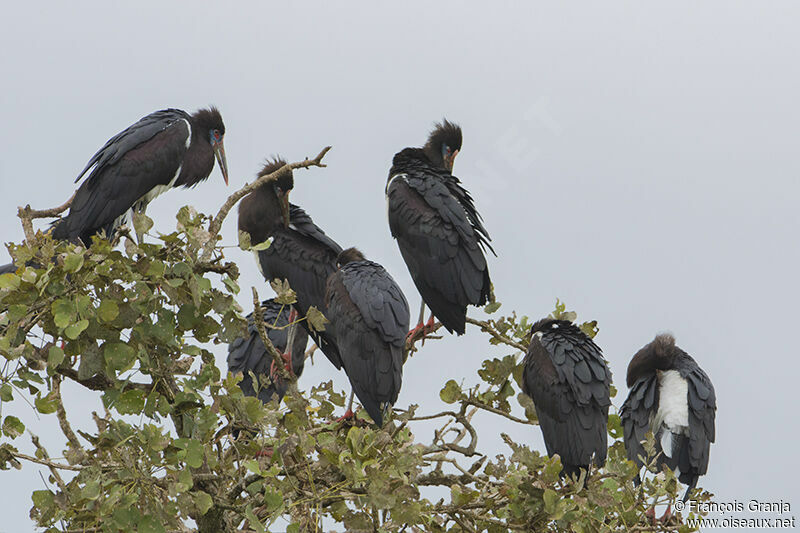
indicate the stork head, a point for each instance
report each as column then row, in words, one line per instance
column 549, row 324
column 659, row 354
column 280, row 186
column 350, row 255
column 443, row 144
column 211, row 125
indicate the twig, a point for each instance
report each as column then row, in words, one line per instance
column 258, row 321
column 216, row 224
column 26, row 215
column 471, row 401
column 488, row 328
column 62, row 416
column 45, row 462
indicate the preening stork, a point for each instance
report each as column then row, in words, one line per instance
column 300, row 252
column 165, row 149
column 248, row 354
column 439, row 231
column 671, row 396
column 569, row 381
column 369, row 316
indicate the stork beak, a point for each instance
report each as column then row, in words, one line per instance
column 219, row 152
column 449, row 161
column 284, row 200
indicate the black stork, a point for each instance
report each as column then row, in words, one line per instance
column 673, row 397
column 166, row 149
column 300, row 252
column 569, row 381
column 440, row 233
column 248, row 354
column 369, row 316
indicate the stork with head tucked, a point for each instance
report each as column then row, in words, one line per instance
column 569, row 381
column 248, row 354
column 369, row 316
column 673, row 397
column 300, row 251
column 439, row 231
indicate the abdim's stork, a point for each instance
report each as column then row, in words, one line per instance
column 568, row 379
column 439, row 231
column 165, row 149
column 369, row 315
column 671, row 396
column 300, row 252
column 248, row 354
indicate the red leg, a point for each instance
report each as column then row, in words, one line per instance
column 667, row 515
column 273, row 370
column 651, row 515
column 266, row 452
column 348, row 415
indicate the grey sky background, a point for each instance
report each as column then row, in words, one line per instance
column 637, row 161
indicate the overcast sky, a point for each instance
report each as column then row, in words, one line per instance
column 638, row 162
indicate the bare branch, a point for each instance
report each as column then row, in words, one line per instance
column 216, row 223
column 66, row 429
column 26, row 215
column 277, row 359
column 491, row 330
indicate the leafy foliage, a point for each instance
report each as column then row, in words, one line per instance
column 136, row 325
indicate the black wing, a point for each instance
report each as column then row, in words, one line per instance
column 369, row 315
column 440, row 237
column 702, row 411
column 305, row 256
column 636, row 415
column 248, row 354
column 129, row 166
column 567, row 378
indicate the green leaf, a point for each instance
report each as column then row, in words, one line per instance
column 451, row 392
column 55, row 355
column 131, row 402
column 118, row 356
column 73, row 262
column 203, row 501
column 63, row 311
column 74, row 331
column 316, row 319
column 194, row 454
column 273, row 499
column 13, row 427
column 491, row 307
column 244, row 240
column 262, row 245
column 550, row 498
column 42, row 499
column 149, row 524
column 47, row 404
column 108, row 310
column 6, row 393
column 9, row 281
column 285, row 294
column 141, row 224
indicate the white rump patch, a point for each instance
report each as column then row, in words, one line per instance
column 673, row 401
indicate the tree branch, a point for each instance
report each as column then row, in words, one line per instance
column 277, row 359
column 26, row 215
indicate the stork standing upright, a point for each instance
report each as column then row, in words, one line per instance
column 248, row 354
column 369, row 316
column 300, row 252
column 439, row 231
column 673, row 397
column 166, row 149
column 569, row 381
